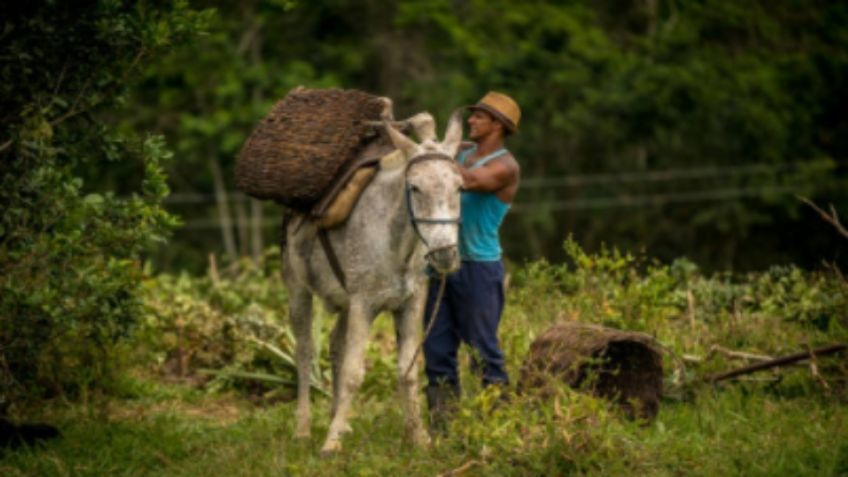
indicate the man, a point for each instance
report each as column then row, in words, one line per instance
column 470, row 310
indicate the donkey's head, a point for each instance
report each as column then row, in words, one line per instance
column 432, row 186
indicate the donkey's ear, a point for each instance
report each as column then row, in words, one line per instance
column 401, row 142
column 424, row 126
column 453, row 134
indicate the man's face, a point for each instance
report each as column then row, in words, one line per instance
column 481, row 124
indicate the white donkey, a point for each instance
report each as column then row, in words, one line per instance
column 406, row 218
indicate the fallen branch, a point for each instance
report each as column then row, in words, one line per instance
column 783, row 360
column 729, row 353
column 831, row 218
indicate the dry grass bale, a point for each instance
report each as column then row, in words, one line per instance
column 296, row 151
column 619, row 365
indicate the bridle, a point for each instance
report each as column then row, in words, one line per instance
column 414, row 219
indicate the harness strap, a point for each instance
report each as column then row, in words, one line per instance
column 332, row 257
column 415, row 220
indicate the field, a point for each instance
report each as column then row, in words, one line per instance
column 206, row 387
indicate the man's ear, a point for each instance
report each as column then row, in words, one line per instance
column 501, row 127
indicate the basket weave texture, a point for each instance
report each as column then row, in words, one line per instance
column 295, row 152
column 624, row 366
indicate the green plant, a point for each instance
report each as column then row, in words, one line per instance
column 71, row 244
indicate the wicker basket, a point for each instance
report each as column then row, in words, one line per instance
column 624, row 366
column 296, row 151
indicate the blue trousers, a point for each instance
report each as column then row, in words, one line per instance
column 470, row 312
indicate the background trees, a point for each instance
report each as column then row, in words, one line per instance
column 683, row 128
column 80, row 200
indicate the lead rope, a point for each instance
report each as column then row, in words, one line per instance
column 436, row 306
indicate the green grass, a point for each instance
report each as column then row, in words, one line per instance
column 739, row 430
column 775, row 424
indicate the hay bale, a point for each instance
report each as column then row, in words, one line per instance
column 295, row 152
column 623, row 366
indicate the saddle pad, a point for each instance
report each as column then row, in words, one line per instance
column 340, row 208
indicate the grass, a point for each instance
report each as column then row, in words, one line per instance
column 774, row 424
column 737, row 430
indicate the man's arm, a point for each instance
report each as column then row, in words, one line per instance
column 492, row 177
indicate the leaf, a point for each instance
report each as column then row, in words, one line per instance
column 287, row 358
column 93, row 200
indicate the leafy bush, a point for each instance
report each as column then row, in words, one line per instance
column 233, row 327
column 71, row 243
column 238, row 324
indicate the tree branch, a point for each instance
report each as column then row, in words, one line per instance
column 831, row 218
column 781, row 361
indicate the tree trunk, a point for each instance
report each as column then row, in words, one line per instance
column 256, row 243
column 242, row 224
column 224, row 215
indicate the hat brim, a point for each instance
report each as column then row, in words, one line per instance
column 495, row 113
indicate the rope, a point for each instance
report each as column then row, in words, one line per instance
column 438, row 303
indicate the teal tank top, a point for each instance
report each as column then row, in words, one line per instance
column 482, row 214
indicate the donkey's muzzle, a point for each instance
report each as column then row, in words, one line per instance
column 444, row 259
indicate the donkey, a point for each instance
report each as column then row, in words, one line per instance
column 407, row 218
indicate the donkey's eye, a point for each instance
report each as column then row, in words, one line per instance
column 414, row 188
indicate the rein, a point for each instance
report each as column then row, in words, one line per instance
column 437, row 304
column 415, row 220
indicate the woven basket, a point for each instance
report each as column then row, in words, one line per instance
column 295, row 152
column 623, row 366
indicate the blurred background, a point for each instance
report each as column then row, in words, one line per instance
column 669, row 128
column 677, row 128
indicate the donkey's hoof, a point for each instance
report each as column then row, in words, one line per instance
column 420, row 438
column 302, row 428
column 331, row 448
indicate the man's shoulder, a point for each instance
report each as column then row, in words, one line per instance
column 509, row 160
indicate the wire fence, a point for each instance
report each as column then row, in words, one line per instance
column 587, row 203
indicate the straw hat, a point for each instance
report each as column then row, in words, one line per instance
column 502, row 107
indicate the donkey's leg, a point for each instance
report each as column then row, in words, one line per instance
column 351, row 371
column 300, row 311
column 337, row 347
column 408, row 322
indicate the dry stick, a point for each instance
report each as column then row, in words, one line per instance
column 822, row 351
column 459, row 469
column 831, row 218
column 814, row 370
column 436, row 306
column 690, row 299
column 213, row 270
column 729, row 353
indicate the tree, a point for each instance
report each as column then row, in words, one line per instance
column 740, row 103
column 71, row 246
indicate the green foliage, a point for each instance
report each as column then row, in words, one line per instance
column 232, row 327
column 235, row 327
column 771, row 425
column 71, row 248
column 746, row 102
